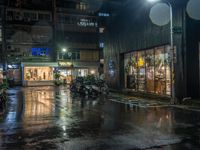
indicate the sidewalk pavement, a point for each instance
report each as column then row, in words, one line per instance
column 150, row 100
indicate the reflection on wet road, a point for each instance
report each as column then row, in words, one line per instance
column 51, row 118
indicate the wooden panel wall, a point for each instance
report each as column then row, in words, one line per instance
column 193, row 73
column 89, row 55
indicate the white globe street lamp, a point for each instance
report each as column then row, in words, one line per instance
column 64, row 49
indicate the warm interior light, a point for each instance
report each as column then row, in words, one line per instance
column 140, row 62
column 92, row 71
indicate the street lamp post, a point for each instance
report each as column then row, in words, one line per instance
column 63, row 52
column 171, row 48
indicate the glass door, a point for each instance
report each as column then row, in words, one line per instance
column 160, row 80
column 150, row 61
column 131, row 71
column 168, row 70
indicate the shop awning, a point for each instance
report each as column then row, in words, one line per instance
column 39, row 64
column 86, row 64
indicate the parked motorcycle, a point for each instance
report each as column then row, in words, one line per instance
column 89, row 86
column 103, row 87
column 77, row 86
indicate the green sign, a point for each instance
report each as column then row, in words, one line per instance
column 177, row 30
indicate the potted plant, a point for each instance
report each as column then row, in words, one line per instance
column 57, row 78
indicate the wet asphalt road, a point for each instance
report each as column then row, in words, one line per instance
column 51, row 118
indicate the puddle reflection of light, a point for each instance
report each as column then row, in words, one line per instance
column 94, row 103
column 64, row 128
column 11, row 117
column 64, row 134
column 65, row 97
column 66, row 108
column 38, row 104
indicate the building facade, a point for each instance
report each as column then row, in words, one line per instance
column 64, row 32
column 28, row 38
column 79, row 36
column 137, row 52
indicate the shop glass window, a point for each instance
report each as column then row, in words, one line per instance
column 141, row 70
column 38, row 73
column 82, row 72
column 160, row 79
column 131, row 71
column 150, row 71
column 70, row 55
column 66, row 75
column 168, row 70
column 74, row 55
column 66, row 56
column 78, row 55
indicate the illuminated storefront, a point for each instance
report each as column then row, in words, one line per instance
column 14, row 73
column 148, row 71
column 66, row 71
column 82, row 72
column 70, row 71
column 82, row 69
column 38, row 73
column 66, row 75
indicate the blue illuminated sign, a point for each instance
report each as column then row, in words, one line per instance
column 104, row 14
column 40, row 51
column 111, row 68
column 101, row 45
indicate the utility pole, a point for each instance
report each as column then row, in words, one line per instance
column 4, row 52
